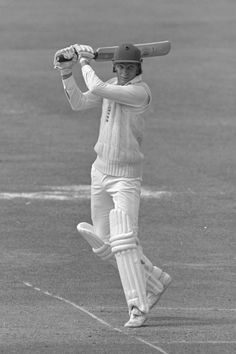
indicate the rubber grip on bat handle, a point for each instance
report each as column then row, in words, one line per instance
column 62, row 59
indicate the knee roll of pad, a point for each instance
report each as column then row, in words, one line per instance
column 122, row 236
column 123, row 242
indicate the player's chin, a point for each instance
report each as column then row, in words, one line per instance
column 123, row 80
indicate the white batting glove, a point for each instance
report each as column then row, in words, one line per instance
column 85, row 52
column 68, row 54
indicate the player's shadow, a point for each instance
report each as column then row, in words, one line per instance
column 178, row 321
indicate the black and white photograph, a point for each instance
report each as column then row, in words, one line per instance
column 117, row 177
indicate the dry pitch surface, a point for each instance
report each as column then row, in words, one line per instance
column 55, row 296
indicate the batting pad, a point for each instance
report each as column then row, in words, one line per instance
column 125, row 247
column 101, row 249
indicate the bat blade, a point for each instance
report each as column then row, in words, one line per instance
column 148, row 50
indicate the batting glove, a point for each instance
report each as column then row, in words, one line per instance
column 85, row 52
column 71, row 57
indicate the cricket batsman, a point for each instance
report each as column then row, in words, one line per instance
column 116, row 174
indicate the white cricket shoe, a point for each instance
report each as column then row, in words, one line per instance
column 153, row 299
column 137, row 318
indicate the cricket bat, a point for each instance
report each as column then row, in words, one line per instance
column 148, row 50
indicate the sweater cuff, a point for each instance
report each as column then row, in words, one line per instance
column 66, row 76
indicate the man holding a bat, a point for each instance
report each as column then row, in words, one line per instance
column 116, row 174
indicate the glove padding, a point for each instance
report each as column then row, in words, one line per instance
column 68, row 53
column 85, row 52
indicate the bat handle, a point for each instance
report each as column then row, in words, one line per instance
column 62, row 59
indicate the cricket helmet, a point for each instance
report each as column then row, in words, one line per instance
column 127, row 53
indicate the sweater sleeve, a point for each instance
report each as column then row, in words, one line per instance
column 79, row 100
column 133, row 95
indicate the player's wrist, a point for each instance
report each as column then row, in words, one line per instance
column 84, row 61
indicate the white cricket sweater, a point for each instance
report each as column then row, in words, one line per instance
column 122, row 123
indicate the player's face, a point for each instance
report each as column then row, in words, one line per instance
column 126, row 72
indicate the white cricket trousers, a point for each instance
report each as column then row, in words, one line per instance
column 109, row 192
